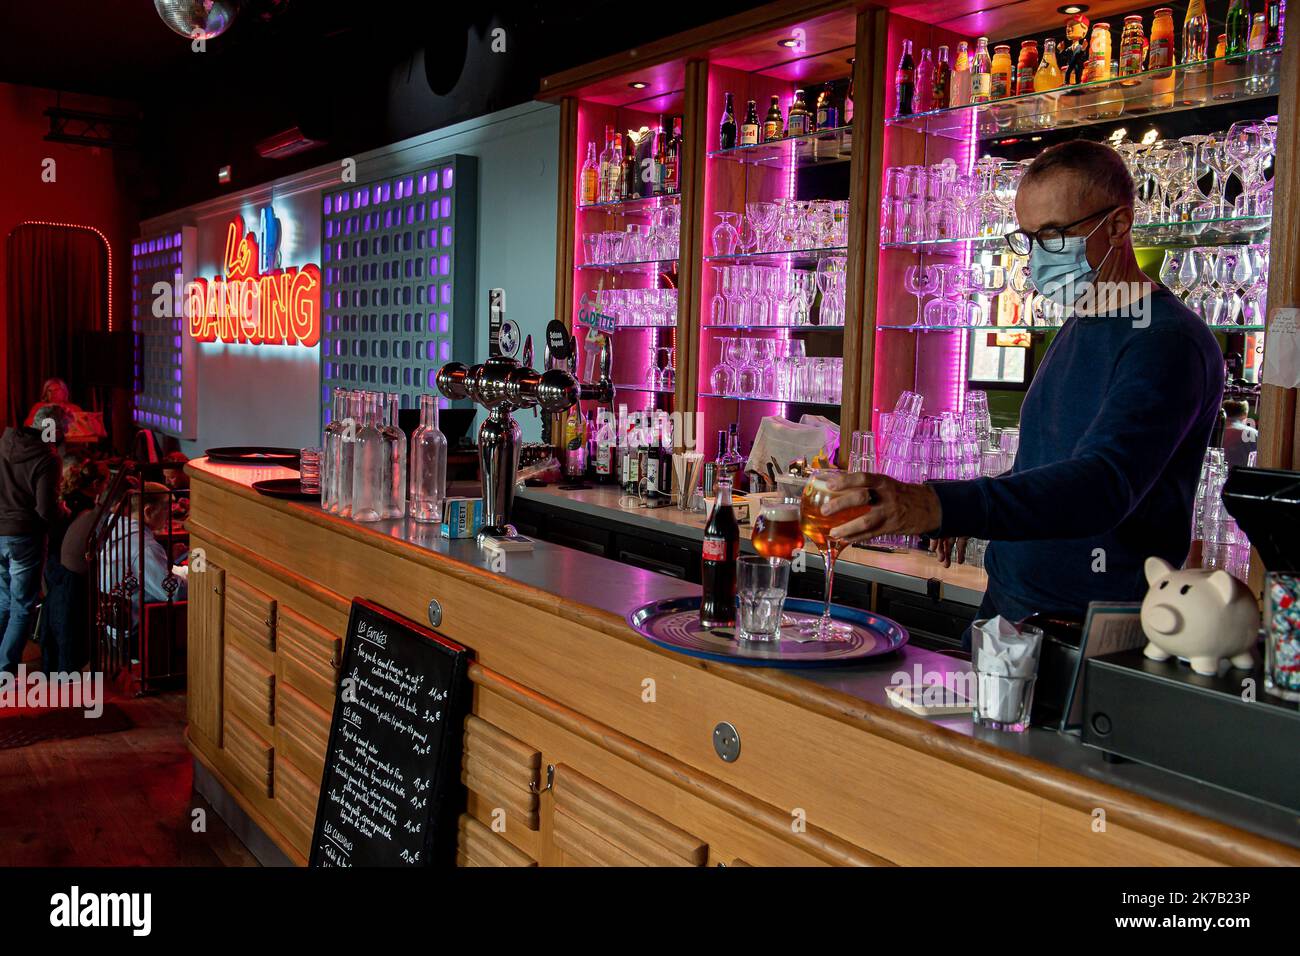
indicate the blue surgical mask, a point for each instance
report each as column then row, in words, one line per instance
column 1062, row 276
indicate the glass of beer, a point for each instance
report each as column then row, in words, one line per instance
column 776, row 532
column 816, row 528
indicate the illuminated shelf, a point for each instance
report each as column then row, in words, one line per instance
column 641, row 204
column 777, row 328
column 621, row 327
column 756, row 398
column 1228, row 231
column 660, row 265
column 815, row 149
column 1032, row 329
column 1200, row 83
column 790, row 256
column 643, row 388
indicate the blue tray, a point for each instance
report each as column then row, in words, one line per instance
column 675, row 625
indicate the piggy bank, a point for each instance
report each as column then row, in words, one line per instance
column 1198, row 614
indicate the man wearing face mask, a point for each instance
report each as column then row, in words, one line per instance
column 1112, row 430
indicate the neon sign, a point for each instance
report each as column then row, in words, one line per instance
column 256, row 302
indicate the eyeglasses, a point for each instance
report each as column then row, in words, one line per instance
column 1052, row 238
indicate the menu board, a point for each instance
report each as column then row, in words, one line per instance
column 391, row 790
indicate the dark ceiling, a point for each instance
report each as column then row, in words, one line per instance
column 355, row 74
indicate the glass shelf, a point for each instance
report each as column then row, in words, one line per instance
column 621, row 327
column 1228, row 231
column 661, row 265
column 1200, row 83
column 633, row 206
column 815, row 149
column 1032, row 329
column 777, row 328
column 643, row 388
column 791, row 256
column 770, row 401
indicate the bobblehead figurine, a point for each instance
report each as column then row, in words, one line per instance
column 1076, row 48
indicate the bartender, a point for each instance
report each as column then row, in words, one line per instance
column 1113, row 429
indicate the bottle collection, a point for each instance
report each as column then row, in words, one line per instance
column 832, row 109
column 632, row 450
column 1086, row 54
column 364, row 460
column 638, row 164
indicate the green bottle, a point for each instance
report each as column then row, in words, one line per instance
column 1237, row 27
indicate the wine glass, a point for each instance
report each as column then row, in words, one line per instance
column 726, row 234
column 920, row 281
column 816, row 527
column 722, row 380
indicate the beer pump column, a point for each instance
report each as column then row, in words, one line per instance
column 503, row 385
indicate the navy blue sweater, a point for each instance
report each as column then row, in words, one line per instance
column 1112, row 435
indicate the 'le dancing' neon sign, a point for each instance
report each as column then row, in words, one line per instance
column 256, row 302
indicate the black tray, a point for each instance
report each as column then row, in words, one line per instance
column 254, row 455
column 290, row 489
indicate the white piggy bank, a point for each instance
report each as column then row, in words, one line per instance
column 1198, row 614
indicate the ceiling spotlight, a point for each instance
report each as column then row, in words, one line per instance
column 1035, row 139
column 789, row 42
column 1070, row 9
column 638, row 85
column 197, row 19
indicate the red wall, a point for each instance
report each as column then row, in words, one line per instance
column 87, row 190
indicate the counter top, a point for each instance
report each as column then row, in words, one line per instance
column 560, row 581
column 906, row 570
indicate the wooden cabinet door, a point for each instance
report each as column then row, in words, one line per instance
column 206, row 653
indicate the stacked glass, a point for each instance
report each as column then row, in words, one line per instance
column 1223, row 544
column 756, row 295
column 1224, row 285
column 783, row 225
column 775, row 369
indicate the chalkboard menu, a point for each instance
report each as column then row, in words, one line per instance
column 391, row 790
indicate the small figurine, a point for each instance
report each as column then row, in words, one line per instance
column 1076, row 49
column 1198, row 614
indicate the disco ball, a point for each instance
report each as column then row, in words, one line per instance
column 198, row 19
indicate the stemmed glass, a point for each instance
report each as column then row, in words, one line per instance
column 726, row 234
column 803, row 289
column 722, row 380
column 920, row 281
column 816, row 527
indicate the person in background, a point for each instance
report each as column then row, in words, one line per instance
column 29, row 505
column 174, row 477
column 1240, row 437
column 81, row 426
column 63, row 624
column 149, row 517
column 53, row 392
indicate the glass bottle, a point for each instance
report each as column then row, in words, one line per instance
column 960, row 85
column 1237, row 28
column 605, row 170
column 1000, row 72
column 329, row 459
column 1160, row 56
column 942, row 85
column 718, row 561
column 1026, row 67
column 727, row 129
column 1196, row 34
column 923, row 98
column 732, row 464
column 1275, row 14
column 1132, row 49
column 1048, row 77
column 395, row 448
column 590, row 177
column 798, row 120
column 347, row 451
column 749, row 128
column 828, row 114
column 904, row 82
column 428, row 489
column 617, row 175
column 1258, row 33
column 773, row 123
column 370, row 463
column 981, row 73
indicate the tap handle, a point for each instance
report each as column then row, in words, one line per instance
column 527, row 361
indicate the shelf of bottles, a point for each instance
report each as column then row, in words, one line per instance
column 776, row 244
column 1204, row 206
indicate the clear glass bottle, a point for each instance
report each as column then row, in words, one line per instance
column 347, row 451
column 959, row 87
column 329, row 458
column 981, row 73
column 590, row 177
column 395, row 447
column 428, row 464
column 369, row 462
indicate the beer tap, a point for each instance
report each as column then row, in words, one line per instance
column 503, row 385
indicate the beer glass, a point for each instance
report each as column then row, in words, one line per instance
column 776, row 532
column 816, row 527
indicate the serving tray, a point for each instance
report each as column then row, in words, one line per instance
column 674, row 624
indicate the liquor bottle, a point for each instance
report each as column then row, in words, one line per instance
column 617, row 172
column 590, row 177
column 1275, row 13
column 960, row 84
column 666, row 439
column 721, row 552
column 942, row 86
column 828, row 114
column 395, row 451
column 605, row 188
column 428, row 489
column 672, row 159
column 923, row 97
column 711, row 468
column 606, row 452
column 1196, row 35
column 633, row 181
column 773, row 123
column 798, row 121
column 575, row 443
column 981, row 73
column 732, row 465
column 749, row 128
column 1133, row 49
column 347, row 451
column 904, row 82
column 727, row 131
column 330, row 448
column 1237, row 28
column 1160, row 56
column 370, row 468
column 659, row 154
column 1026, row 68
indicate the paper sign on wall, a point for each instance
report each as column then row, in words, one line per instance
column 1282, row 349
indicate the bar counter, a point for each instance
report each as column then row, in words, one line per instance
column 828, row 771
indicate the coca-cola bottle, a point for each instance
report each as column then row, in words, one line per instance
column 718, row 565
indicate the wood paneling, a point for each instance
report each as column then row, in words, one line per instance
column 302, row 731
column 296, row 797
column 308, row 658
column 250, row 688
column 479, row 846
column 250, row 614
column 250, row 754
column 502, row 770
column 206, row 651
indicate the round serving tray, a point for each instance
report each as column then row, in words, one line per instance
column 254, row 455
column 290, row 489
column 675, row 625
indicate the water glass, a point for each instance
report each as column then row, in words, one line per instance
column 760, row 597
column 309, row 470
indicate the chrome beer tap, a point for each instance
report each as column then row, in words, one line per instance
column 503, row 385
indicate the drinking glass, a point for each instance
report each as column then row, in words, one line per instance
column 722, row 380
column 309, row 470
column 726, row 234
column 816, row 527
column 761, row 588
column 920, row 281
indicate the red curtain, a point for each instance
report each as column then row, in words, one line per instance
column 58, row 292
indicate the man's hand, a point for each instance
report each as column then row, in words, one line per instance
column 896, row 507
column 943, row 550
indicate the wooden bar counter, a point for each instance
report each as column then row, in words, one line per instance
column 828, row 772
